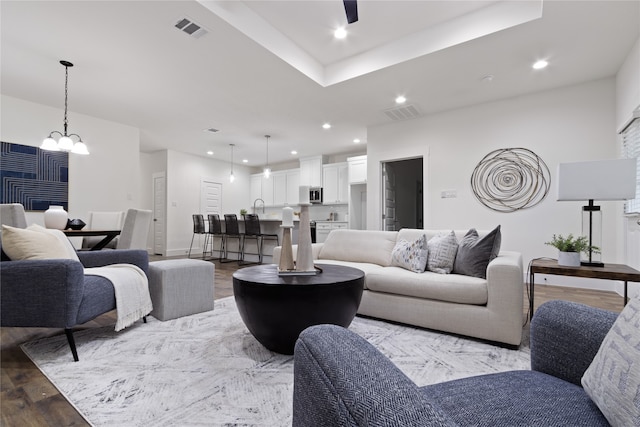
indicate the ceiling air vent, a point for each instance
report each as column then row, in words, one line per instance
column 188, row 26
column 402, row 113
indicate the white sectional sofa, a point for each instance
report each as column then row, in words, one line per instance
column 490, row 309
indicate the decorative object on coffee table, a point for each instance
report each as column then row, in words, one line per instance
column 276, row 308
column 304, row 262
column 510, row 179
column 286, row 265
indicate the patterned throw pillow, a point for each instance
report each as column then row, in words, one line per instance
column 613, row 378
column 442, row 252
column 474, row 253
column 410, row 255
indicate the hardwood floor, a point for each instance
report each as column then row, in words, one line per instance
column 27, row 398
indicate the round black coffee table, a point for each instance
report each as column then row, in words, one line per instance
column 276, row 309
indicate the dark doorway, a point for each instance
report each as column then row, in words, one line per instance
column 402, row 194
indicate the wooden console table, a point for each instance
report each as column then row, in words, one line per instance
column 608, row 272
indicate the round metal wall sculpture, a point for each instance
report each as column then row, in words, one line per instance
column 511, row 179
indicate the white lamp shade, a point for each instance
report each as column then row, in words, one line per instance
column 49, row 144
column 80, row 148
column 65, row 143
column 597, row 180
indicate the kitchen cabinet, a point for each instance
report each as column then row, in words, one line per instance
column 335, row 183
column 311, row 171
column 323, row 228
column 280, row 189
column 261, row 188
column 293, row 187
column 357, row 169
column 286, row 187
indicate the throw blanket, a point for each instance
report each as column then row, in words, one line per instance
column 133, row 301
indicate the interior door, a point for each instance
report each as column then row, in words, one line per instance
column 389, row 198
column 159, row 212
column 211, row 197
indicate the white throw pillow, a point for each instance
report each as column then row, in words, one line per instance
column 442, row 252
column 613, row 378
column 33, row 243
column 62, row 238
column 411, row 255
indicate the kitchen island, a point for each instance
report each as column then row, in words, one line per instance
column 268, row 225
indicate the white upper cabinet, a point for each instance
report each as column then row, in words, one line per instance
column 280, row 189
column 357, row 169
column 261, row 188
column 335, row 185
column 311, row 171
column 293, row 187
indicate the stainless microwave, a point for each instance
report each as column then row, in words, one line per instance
column 315, row 195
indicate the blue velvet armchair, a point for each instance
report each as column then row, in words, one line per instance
column 342, row 380
column 56, row 294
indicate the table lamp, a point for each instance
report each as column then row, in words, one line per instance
column 596, row 180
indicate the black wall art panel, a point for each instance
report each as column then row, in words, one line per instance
column 33, row 177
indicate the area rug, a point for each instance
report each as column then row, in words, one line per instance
column 208, row 370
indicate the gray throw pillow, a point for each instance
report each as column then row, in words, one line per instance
column 613, row 378
column 442, row 250
column 474, row 253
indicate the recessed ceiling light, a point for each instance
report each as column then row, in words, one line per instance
column 539, row 65
column 294, row 152
column 245, row 161
column 357, row 141
column 210, row 153
column 326, row 126
column 401, row 100
column 340, row 33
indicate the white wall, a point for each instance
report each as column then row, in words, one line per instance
column 105, row 180
column 184, row 172
column 628, row 86
column 575, row 123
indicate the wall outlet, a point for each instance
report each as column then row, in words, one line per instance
column 448, row 194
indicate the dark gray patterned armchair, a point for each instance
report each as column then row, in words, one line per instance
column 55, row 293
column 342, row 380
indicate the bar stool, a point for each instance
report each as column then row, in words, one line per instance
column 198, row 228
column 231, row 230
column 252, row 229
column 215, row 230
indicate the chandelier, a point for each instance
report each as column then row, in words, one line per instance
column 65, row 143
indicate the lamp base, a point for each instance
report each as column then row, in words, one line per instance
column 592, row 264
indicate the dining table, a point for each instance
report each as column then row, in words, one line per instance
column 109, row 235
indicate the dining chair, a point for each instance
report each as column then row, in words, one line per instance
column 103, row 221
column 135, row 230
column 231, row 230
column 214, row 230
column 198, row 229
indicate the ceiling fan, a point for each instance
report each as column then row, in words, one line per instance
column 351, row 8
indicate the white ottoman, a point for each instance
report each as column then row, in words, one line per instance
column 180, row 287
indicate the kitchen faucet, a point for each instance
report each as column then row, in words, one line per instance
column 254, row 206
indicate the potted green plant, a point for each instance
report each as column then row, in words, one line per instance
column 243, row 212
column 570, row 247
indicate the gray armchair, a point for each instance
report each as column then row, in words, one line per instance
column 55, row 293
column 342, row 380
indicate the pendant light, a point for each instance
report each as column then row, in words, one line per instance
column 231, row 176
column 65, row 143
column 267, row 169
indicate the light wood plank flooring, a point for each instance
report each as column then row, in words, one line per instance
column 27, row 398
